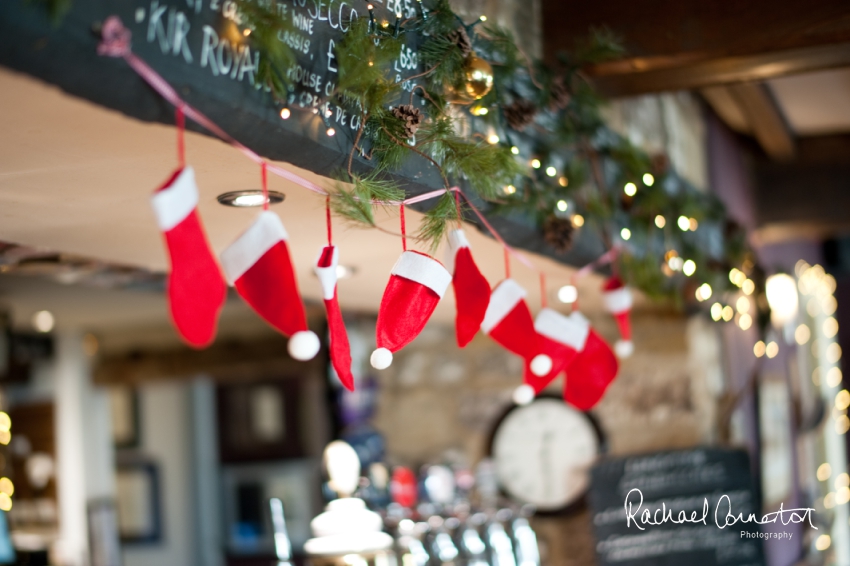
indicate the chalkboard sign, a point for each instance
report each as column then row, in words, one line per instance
column 201, row 50
column 699, row 486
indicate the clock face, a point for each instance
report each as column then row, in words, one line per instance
column 543, row 452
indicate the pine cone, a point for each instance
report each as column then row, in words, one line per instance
column 519, row 113
column 560, row 94
column 558, row 233
column 460, row 38
column 660, row 164
column 411, row 118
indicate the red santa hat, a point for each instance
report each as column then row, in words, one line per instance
column 591, row 370
column 472, row 292
column 195, row 286
column 618, row 301
column 417, row 283
column 340, row 350
column 508, row 321
column 258, row 264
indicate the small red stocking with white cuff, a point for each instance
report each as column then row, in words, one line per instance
column 339, row 348
column 259, row 266
column 472, row 292
column 196, row 289
column 508, row 321
column 416, row 285
column 591, row 370
column 561, row 337
column 618, row 301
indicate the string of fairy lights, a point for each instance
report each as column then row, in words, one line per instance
column 7, row 488
column 804, row 310
column 817, row 290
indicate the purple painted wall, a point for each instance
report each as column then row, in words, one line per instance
column 731, row 180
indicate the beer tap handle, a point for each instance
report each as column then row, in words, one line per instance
column 282, row 544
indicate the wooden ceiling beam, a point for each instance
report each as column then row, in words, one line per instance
column 712, row 29
column 636, row 76
column 693, row 44
column 765, row 119
column 749, row 108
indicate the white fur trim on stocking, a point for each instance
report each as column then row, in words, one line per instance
column 327, row 275
column 624, row 348
column 174, row 203
column 266, row 231
column 423, row 270
column 618, row 300
column 566, row 330
column 505, row 297
column 303, row 345
column 457, row 241
column 541, row 365
column 381, row 358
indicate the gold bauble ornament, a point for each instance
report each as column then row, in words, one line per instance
column 479, row 77
column 478, row 80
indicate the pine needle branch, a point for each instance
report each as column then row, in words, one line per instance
column 356, row 205
column 435, row 224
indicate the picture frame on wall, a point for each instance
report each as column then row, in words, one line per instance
column 260, row 420
column 124, row 409
column 138, row 502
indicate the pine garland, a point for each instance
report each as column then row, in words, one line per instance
column 555, row 161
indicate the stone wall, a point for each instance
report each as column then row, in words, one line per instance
column 436, row 397
column 523, row 18
column 672, row 124
column 437, row 401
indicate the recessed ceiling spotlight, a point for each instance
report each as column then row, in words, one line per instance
column 43, row 321
column 345, row 271
column 244, row 199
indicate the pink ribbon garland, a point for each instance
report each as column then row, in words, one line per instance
column 115, row 42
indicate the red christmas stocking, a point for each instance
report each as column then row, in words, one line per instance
column 340, row 350
column 259, row 266
column 196, row 289
column 472, row 292
column 416, row 285
column 508, row 321
column 561, row 337
column 591, row 371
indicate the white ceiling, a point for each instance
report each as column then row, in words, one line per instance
column 77, row 178
column 815, row 103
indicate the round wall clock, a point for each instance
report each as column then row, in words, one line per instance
column 543, row 452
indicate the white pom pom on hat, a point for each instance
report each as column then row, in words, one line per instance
column 624, row 348
column 541, row 365
column 381, row 358
column 524, row 394
column 303, row 345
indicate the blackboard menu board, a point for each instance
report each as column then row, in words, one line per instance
column 701, row 483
